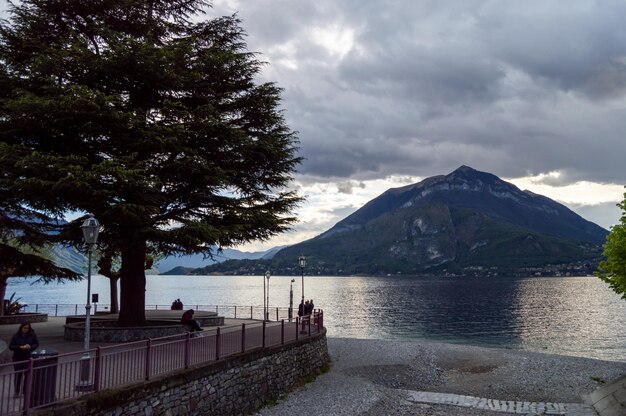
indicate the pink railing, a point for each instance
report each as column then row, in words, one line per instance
column 62, row 377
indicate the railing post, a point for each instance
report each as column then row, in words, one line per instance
column 251, row 316
column 297, row 327
column 282, row 331
column 28, row 389
column 309, row 325
column 96, row 381
column 263, row 334
column 277, row 313
column 218, row 344
column 216, row 308
column 148, row 358
column 56, row 309
column 235, row 311
column 187, row 350
column 76, row 309
column 317, row 322
column 36, row 308
column 243, row 337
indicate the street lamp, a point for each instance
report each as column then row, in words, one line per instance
column 91, row 229
column 291, row 299
column 267, row 311
column 302, row 262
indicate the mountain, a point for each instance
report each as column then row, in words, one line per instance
column 466, row 222
column 183, row 264
column 75, row 260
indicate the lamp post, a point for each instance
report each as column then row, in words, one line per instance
column 302, row 262
column 267, row 310
column 291, row 299
column 91, row 229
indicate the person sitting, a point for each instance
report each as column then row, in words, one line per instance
column 187, row 319
column 177, row 305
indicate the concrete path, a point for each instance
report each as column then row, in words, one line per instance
column 505, row 406
column 610, row 400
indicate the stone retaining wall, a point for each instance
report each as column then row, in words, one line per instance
column 235, row 385
column 115, row 334
column 23, row 317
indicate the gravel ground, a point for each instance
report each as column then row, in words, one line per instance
column 367, row 376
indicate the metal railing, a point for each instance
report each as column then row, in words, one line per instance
column 227, row 311
column 52, row 379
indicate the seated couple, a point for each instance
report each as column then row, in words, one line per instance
column 187, row 319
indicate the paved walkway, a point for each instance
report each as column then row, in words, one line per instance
column 505, row 406
column 50, row 333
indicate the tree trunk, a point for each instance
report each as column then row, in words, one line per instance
column 133, row 283
column 3, row 291
column 115, row 308
column 105, row 268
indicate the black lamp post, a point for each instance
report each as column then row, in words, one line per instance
column 91, row 229
column 302, row 262
column 291, row 299
column 267, row 311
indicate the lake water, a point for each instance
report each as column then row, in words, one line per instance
column 570, row 315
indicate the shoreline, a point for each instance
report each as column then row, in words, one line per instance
column 372, row 377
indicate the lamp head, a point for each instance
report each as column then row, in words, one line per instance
column 302, row 261
column 91, row 229
column 267, row 275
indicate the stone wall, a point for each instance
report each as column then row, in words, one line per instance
column 232, row 386
column 23, row 317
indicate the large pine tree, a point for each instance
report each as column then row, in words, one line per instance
column 148, row 117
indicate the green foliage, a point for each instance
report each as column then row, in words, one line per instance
column 13, row 306
column 148, row 117
column 613, row 269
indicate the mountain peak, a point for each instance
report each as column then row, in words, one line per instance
column 464, row 169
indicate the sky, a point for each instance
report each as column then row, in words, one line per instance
column 385, row 94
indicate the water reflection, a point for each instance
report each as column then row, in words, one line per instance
column 577, row 315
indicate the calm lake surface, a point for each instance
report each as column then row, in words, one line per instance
column 570, row 315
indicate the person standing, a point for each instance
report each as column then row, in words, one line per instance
column 23, row 343
column 301, row 309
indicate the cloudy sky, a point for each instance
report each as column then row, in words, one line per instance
column 384, row 94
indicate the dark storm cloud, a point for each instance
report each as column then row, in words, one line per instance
column 513, row 88
column 419, row 88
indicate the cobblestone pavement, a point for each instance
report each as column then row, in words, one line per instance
column 506, row 406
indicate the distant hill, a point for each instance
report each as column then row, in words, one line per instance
column 177, row 264
column 466, row 222
column 179, row 270
column 171, row 265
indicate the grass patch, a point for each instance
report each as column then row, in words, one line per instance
column 598, row 380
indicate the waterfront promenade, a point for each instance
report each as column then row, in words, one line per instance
column 51, row 333
column 111, row 365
